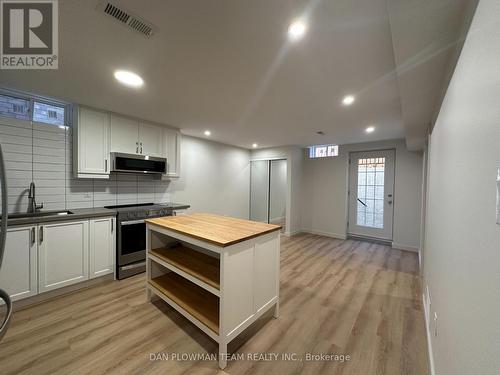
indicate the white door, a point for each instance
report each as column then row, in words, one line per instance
column 259, row 190
column 102, row 246
column 63, row 254
column 371, row 194
column 172, row 145
column 124, row 135
column 19, row 269
column 150, row 139
column 93, row 141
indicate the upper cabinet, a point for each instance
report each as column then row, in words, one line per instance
column 124, row 135
column 91, row 143
column 99, row 133
column 172, row 145
column 150, row 140
column 133, row 137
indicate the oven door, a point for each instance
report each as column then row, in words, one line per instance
column 131, row 241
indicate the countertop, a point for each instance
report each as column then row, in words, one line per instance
column 77, row 213
column 218, row 230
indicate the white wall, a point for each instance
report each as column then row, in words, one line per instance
column 324, row 193
column 462, row 239
column 214, row 178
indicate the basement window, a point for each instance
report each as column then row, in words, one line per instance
column 323, row 151
column 48, row 113
column 14, row 107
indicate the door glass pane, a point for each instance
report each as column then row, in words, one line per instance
column 370, row 205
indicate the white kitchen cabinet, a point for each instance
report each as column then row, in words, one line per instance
column 150, row 139
column 91, row 143
column 172, row 141
column 19, row 269
column 63, row 254
column 102, row 246
column 124, row 135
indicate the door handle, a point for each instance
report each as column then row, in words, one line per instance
column 41, row 234
column 141, row 147
column 136, row 147
column 105, row 165
column 32, row 235
column 112, row 222
column 360, row 201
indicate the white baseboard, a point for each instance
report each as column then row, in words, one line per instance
column 429, row 342
column 326, row 234
column 290, row 234
column 277, row 220
column 401, row 246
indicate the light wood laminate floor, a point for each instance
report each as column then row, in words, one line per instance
column 345, row 297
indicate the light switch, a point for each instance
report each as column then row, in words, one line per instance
column 498, row 196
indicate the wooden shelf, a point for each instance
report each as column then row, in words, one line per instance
column 194, row 263
column 198, row 302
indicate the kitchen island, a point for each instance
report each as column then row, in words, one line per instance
column 219, row 272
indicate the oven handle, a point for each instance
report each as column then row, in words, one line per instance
column 132, row 222
column 132, row 266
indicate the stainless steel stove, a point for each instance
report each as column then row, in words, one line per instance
column 131, row 234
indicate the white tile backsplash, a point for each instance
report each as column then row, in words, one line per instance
column 43, row 153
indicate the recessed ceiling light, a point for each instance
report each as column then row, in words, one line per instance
column 255, row 145
column 348, row 100
column 207, row 133
column 370, row 129
column 296, row 30
column 129, row 78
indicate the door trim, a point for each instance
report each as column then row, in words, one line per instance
column 349, row 188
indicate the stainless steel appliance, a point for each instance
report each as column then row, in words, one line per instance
column 131, row 234
column 133, row 163
column 3, row 236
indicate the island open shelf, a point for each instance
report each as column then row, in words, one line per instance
column 219, row 272
column 201, row 266
column 201, row 304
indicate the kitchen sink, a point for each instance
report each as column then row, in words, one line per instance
column 39, row 214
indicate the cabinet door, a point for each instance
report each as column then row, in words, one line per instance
column 172, row 139
column 124, row 135
column 18, row 275
column 150, row 139
column 102, row 246
column 93, row 141
column 63, row 254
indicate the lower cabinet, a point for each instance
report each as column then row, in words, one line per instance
column 63, row 254
column 18, row 276
column 102, row 247
column 48, row 256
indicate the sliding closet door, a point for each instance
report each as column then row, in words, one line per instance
column 277, row 193
column 259, row 190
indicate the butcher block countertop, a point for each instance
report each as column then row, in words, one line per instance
column 218, row 230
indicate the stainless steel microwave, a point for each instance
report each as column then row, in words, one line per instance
column 131, row 163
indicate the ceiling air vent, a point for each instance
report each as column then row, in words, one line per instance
column 127, row 18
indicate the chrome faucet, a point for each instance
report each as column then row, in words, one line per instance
column 32, row 206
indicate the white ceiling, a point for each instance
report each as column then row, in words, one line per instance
column 227, row 66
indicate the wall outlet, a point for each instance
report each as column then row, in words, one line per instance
column 435, row 324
